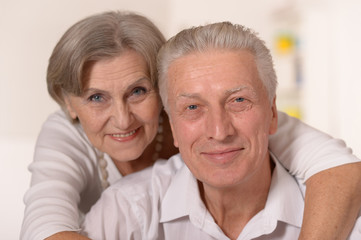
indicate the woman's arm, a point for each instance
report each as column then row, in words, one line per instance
column 67, row 236
column 333, row 199
column 60, row 172
column 333, row 195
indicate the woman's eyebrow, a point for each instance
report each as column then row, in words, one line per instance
column 139, row 81
column 92, row 90
column 132, row 85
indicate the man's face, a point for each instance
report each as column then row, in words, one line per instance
column 220, row 115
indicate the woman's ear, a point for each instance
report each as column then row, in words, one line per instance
column 69, row 107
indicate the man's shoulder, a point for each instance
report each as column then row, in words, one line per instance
column 152, row 181
column 136, row 198
column 131, row 206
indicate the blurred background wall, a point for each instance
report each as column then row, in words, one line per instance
column 315, row 43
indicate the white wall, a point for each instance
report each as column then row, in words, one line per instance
column 254, row 14
column 331, row 49
column 30, row 29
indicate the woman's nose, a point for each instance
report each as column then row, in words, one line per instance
column 121, row 115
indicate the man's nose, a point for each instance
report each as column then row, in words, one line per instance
column 219, row 124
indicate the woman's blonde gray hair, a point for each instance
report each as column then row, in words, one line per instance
column 98, row 37
column 223, row 35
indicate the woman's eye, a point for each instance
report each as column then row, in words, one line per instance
column 138, row 94
column 139, row 91
column 96, row 98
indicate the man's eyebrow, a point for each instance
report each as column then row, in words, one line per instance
column 241, row 88
column 237, row 89
column 228, row 92
column 188, row 95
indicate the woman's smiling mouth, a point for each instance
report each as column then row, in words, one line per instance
column 125, row 136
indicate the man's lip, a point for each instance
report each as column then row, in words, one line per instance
column 223, row 156
column 220, row 152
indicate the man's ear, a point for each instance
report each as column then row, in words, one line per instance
column 274, row 117
column 175, row 142
column 69, row 107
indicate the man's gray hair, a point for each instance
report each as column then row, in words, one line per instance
column 223, row 35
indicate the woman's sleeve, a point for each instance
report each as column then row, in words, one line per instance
column 305, row 151
column 58, row 176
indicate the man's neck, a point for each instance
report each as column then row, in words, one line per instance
column 232, row 208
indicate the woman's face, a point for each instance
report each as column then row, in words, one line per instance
column 119, row 108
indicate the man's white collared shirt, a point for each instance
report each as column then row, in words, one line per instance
column 163, row 202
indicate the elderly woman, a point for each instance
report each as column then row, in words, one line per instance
column 103, row 75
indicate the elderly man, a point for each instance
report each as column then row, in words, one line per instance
column 222, row 110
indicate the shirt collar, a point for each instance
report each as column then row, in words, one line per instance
column 284, row 203
column 285, row 200
column 182, row 197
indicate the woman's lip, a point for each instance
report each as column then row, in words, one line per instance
column 125, row 136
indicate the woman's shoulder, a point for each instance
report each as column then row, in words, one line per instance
column 59, row 119
column 59, row 133
column 59, row 126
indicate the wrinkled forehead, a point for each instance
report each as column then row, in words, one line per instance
column 223, row 69
column 103, row 67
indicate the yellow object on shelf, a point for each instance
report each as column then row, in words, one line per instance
column 285, row 43
column 293, row 111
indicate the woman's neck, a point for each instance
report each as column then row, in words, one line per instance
column 151, row 154
column 144, row 161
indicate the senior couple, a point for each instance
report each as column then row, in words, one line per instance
column 218, row 87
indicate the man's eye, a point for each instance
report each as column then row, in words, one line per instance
column 239, row 104
column 240, row 99
column 192, row 107
column 96, row 98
